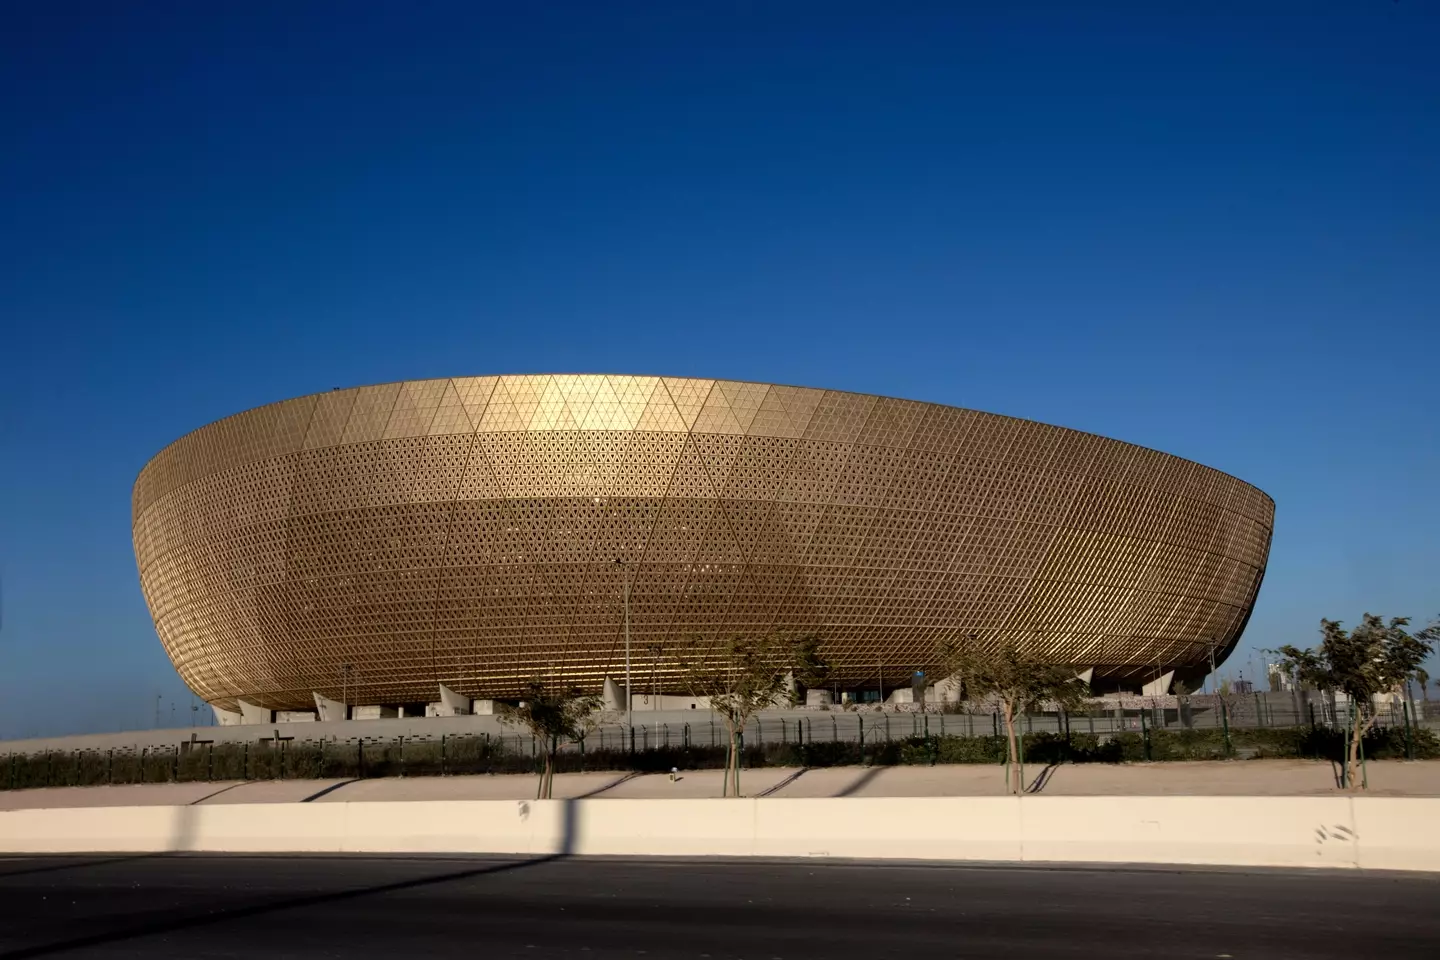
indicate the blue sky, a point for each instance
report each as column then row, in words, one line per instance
column 1213, row 232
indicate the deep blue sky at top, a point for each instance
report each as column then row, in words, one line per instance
column 1209, row 228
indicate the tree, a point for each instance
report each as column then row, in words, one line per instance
column 1016, row 681
column 555, row 716
column 742, row 676
column 1375, row 657
column 810, row 667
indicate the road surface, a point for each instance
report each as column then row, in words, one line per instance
column 440, row 907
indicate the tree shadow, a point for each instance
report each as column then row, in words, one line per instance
column 1042, row 780
column 861, row 782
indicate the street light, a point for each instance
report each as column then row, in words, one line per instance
column 345, row 689
column 625, row 567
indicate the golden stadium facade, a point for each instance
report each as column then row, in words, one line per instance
column 465, row 531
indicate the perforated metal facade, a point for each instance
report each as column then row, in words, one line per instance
column 464, row 531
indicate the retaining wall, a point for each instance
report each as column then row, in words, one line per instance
column 1352, row 832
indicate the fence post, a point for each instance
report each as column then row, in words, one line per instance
column 1145, row 735
column 1225, row 724
column 175, row 776
column 1259, row 712
column 402, row 757
column 442, row 752
column 887, row 728
column 834, row 729
column 360, row 758
column 109, row 768
column 861, row 720
column 244, row 762
column 1409, row 752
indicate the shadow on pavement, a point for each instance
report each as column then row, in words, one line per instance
column 1042, row 780
column 330, row 789
column 609, row 786
column 861, row 782
column 566, row 847
column 76, row 864
column 771, row 791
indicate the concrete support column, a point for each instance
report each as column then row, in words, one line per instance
column 226, row 718
column 327, row 710
column 451, row 703
column 250, row 713
column 612, row 695
column 1159, row 686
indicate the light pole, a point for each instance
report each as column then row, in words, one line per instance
column 345, row 689
column 625, row 571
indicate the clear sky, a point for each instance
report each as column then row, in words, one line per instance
column 1215, row 232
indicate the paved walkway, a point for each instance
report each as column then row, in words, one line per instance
column 1203, row 778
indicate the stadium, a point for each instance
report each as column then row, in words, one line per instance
column 377, row 543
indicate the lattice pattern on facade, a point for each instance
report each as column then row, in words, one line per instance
column 464, row 532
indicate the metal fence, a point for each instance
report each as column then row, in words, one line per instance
column 1193, row 728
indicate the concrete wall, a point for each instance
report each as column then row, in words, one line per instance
column 1359, row 832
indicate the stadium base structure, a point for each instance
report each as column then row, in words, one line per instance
column 370, row 545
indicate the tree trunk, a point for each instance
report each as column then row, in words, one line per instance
column 1357, row 733
column 1011, row 747
column 732, row 770
column 546, row 777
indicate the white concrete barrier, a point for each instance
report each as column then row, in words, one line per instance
column 1363, row 832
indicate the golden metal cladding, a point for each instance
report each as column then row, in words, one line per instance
column 465, row 532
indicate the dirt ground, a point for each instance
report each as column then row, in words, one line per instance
column 1201, row 778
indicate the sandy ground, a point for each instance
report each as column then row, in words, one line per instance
column 1203, row 778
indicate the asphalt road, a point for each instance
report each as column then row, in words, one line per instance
column 483, row 908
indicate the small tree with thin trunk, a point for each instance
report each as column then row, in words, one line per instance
column 740, row 677
column 1376, row 657
column 555, row 716
column 1015, row 680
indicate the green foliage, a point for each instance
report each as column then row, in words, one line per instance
column 744, row 675
column 810, row 667
column 1016, row 679
column 555, row 716
column 1010, row 674
column 1373, row 658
